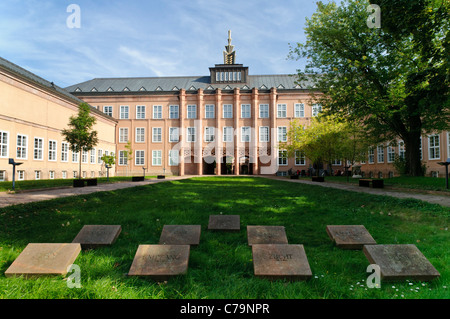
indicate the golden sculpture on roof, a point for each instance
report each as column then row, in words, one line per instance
column 229, row 55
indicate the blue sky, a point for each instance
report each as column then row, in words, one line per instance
column 139, row 38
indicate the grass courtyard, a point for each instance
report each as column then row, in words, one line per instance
column 221, row 266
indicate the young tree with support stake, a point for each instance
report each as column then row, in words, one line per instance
column 80, row 135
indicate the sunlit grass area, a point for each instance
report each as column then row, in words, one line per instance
column 221, row 266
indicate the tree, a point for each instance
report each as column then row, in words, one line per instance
column 128, row 153
column 396, row 82
column 80, row 136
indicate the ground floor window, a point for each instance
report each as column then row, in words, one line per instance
column 2, row 176
column 282, row 158
column 156, row 158
column 37, row 175
column 20, row 175
column 434, row 147
column 51, row 175
column 173, row 158
column 299, row 158
column 140, row 158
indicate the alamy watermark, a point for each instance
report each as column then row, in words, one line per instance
column 74, row 280
column 374, row 19
column 74, row 20
column 374, row 279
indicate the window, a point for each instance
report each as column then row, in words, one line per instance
column 123, row 160
column 227, row 111
column 157, row 135
column 371, row 155
column 123, row 135
column 75, row 157
column 299, row 110
column 264, row 111
column 192, row 111
column 190, row 134
column 282, row 158
column 139, row 158
column 140, row 134
column 173, row 158
column 316, row 109
column 401, row 150
column 300, row 158
column 337, row 162
column 282, row 110
column 37, row 175
column 75, row 174
column 245, row 111
column 156, row 158
column 84, row 156
column 264, row 134
column 380, row 154
column 209, row 134
column 390, row 154
column 64, row 152
column 3, row 144
column 140, row 112
column 21, row 146
column 107, row 110
column 157, row 111
column 38, row 148
column 52, row 150
column 51, row 174
column 174, row 134
column 245, row 134
column 174, row 111
column 64, row 174
column 228, row 134
column 282, row 134
column 99, row 156
column 21, row 175
column 124, row 112
column 2, row 176
column 209, row 111
column 92, row 156
column 434, row 151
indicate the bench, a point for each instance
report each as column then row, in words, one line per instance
column 375, row 183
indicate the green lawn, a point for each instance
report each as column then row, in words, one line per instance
column 221, row 266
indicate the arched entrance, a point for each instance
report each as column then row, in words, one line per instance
column 245, row 167
column 209, row 165
column 227, row 165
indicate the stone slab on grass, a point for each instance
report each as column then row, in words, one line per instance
column 44, row 259
column 400, row 262
column 180, row 235
column 93, row 236
column 350, row 236
column 224, row 222
column 266, row 235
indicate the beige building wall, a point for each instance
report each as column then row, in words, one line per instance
column 35, row 116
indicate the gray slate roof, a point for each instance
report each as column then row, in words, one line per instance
column 189, row 83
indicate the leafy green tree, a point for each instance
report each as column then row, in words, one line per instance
column 80, row 135
column 128, row 154
column 394, row 78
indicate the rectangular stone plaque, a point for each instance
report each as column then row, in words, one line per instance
column 160, row 262
column 266, row 235
column 44, row 259
column 180, row 235
column 92, row 236
column 224, row 222
column 281, row 262
column 400, row 262
column 350, row 236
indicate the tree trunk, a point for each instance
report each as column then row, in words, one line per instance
column 79, row 165
column 412, row 150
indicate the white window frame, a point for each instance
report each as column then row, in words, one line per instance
column 107, row 109
column 227, row 135
column 84, row 156
column 210, row 111
column 51, row 174
column 299, row 110
column 246, row 111
column 52, row 153
column 139, row 158
column 174, row 111
column 209, row 134
column 157, row 112
column 92, row 158
column 390, row 154
column 282, row 133
column 300, row 158
column 22, row 146
column 75, row 157
column 174, row 157
column 174, row 134
column 2, row 175
column 124, row 112
column 123, row 159
column 316, row 109
column 99, row 156
column 191, row 133
column 40, row 151
column 123, row 135
column 448, row 144
column 371, row 155
column 64, row 174
column 380, row 153
column 227, row 111
column 20, row 175
column 156, row 158
column 140, row 112
column 432, row 147
column 401, row 149
column 191, row 111
column 246, row 134
column 264, row 111
column 139, row 135
column 281, row 110
column 283, row 158
column 157, row 135
column 64, row 152
column 37, row 175
column 4, row 144
column 264, row 134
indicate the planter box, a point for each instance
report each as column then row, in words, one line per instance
column 161, row 177
column 78, row 183
column 294, row 176
column 137, row 178
column 91, row 182
column 318, row 179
